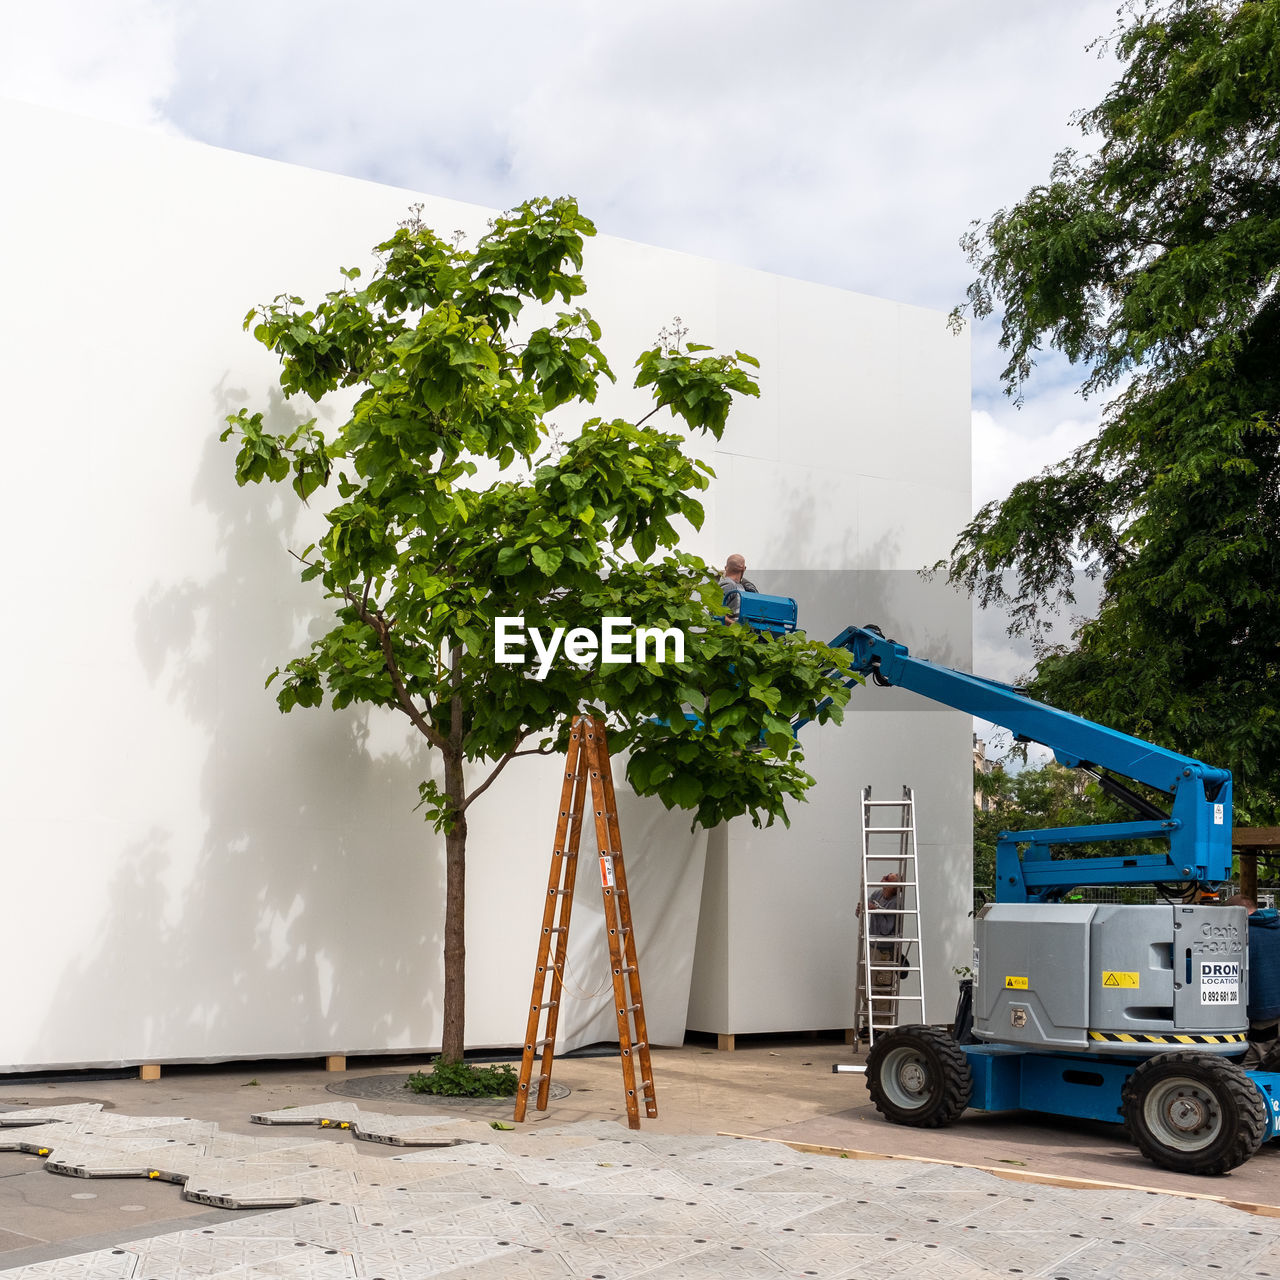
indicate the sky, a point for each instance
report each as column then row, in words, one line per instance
column 848, row 142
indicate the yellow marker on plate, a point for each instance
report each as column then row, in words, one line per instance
column 1117, row 978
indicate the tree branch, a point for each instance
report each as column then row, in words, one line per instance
column 502, row 764
column 456, row 734
column 373, row 619
column 420, row 722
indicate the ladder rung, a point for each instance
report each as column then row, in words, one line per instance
column 630, row 1008
column 886, row 804
column 551, row 1004
column 890, row 831
column 540, row 1044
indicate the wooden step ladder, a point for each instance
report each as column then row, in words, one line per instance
column 887, row 960
column 587, row 772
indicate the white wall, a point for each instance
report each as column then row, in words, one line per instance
column 849, row 475
column 191, row 875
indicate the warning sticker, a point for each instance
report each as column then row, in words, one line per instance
column 1219, row 981
column 1015, row 984
column 606, row 872
column 1116, row 978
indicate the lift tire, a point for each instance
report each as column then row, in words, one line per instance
column 919, row 1076
column 1193, row 1112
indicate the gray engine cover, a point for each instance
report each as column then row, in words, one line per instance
column 1106, row 978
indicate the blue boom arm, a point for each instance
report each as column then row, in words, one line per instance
column 1197, row 825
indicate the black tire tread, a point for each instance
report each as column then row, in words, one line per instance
column 1242, row 1103
column 949, row 1061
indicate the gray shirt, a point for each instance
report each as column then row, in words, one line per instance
column 733, row 594
column 882, row 923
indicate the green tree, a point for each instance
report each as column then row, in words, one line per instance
column 457, row 355
column 1046, row 795
column 1152, row 261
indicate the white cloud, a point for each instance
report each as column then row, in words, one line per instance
column 848, row 143
column 843, row 141
column 114, row 61
column 1008, row 449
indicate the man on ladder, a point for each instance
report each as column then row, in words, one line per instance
column 884, row 925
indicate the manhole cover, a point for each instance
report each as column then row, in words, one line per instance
column 392, row 1089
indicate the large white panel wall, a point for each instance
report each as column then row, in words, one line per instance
column 852, row 473
column 190, row 875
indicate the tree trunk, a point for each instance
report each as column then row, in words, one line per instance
column 453, row 1036
column 453, row 1039
column 1249, row 875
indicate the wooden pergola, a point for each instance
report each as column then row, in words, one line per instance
column 1247, row 843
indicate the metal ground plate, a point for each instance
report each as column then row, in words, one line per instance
column 596, row 1200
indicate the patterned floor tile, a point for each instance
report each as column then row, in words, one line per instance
column 594, row 1202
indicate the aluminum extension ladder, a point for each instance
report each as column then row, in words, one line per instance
column 889, row 848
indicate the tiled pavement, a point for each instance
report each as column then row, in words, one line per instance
column 454, row 1197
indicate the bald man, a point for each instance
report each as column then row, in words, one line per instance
column 733, row 584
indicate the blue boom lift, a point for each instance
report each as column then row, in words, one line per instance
column 1128, row 1014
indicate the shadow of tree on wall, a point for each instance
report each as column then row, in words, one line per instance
column 260, row 926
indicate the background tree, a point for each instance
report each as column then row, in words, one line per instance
column 1035, row 797
column 1152, row 262
column 420, row 558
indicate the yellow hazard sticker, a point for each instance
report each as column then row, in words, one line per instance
column 1015, row 984
column 1115, row 978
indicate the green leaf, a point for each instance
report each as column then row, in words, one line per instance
column 548, row 559
column 512, row 560
column 684, row 791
